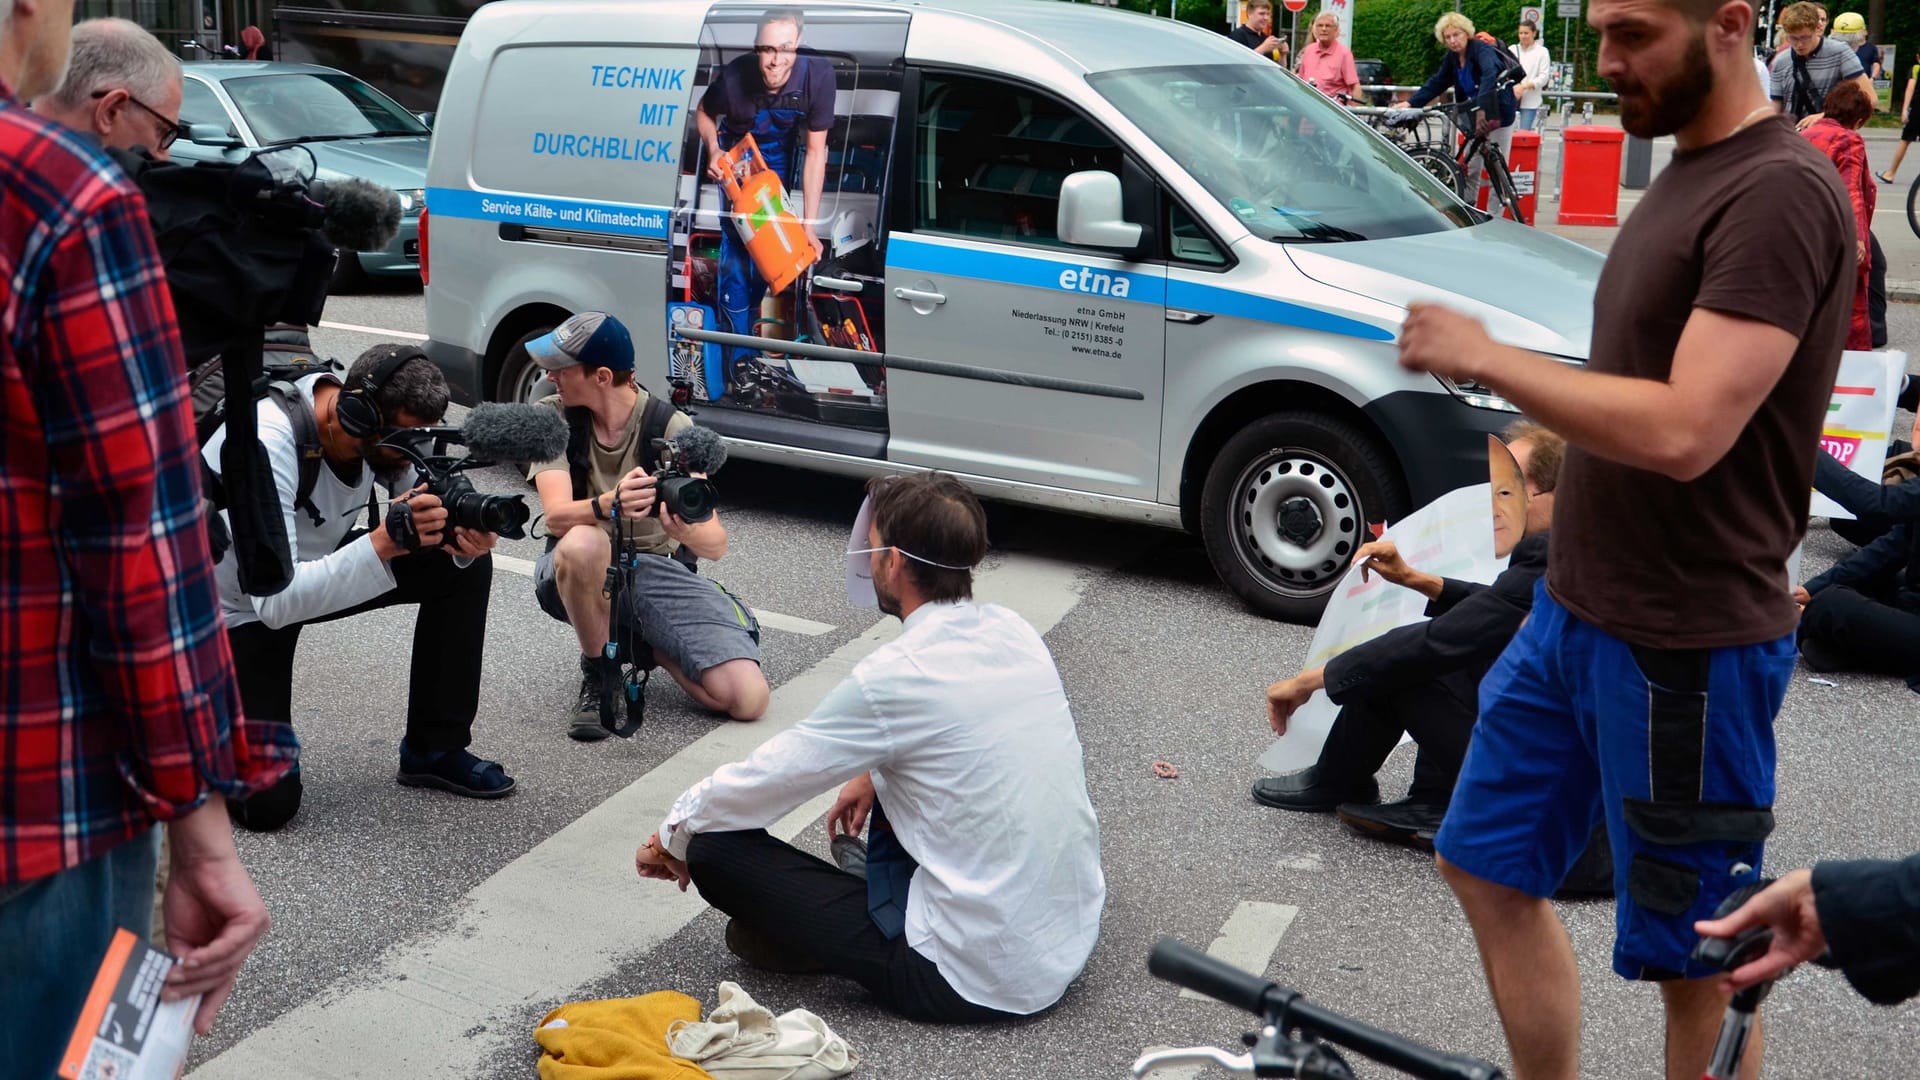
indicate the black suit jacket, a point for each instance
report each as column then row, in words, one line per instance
column 1870, row 913
column 1469, row 628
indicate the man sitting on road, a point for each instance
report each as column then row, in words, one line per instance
column 983, row 885
column 410, row 557
column 601, row 494
column 122, row 87
column 1423, row 679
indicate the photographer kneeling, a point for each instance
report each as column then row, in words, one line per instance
column 341, row 571
column 601, row 493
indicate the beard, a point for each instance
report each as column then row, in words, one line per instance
column 1649, row 111
column 889, row 603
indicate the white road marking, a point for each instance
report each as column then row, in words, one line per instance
column 792, row 624
column 571, row 911
column 376, row 331
column 1309, row 863
column 1248, row 939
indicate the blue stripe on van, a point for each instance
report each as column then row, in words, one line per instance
column 621, row 219
column 1064, row 273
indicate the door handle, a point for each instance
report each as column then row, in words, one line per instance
column 845, row 285
column 918, row 296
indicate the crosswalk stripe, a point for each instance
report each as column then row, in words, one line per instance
column 1249, row 938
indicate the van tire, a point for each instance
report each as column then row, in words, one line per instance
column 1287, row 501
column 518, row 372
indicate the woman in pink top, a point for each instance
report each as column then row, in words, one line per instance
column 1326, row 63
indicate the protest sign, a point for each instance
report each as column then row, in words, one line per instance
column 1859, row 417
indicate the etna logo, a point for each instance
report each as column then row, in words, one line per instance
column 1088, row 280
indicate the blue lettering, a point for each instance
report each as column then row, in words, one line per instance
column 539, row 142
column 567, row 144
column 595, row 80
column 657, row 115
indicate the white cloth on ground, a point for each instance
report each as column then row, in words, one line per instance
column 741, row 1039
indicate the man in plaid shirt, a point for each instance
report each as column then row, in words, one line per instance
column 118, row 706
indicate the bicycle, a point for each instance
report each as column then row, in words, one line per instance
column 1421, row 141
column 1913, row 207
column 1476, row 144
column 1294, row 1033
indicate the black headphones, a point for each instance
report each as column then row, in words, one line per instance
column 357, row 409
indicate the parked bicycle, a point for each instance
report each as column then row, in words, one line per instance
column 1476, row 144
column 1913, row 207
column 1294, row 1036
column 1425, row 139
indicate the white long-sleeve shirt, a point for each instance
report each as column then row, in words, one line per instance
column 1538, row 65
column 326, row 577
column 964, row 724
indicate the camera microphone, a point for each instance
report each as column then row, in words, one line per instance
column 528, row 433
column 699, row 450
column 361, row 215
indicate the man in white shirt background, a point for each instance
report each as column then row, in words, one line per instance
column 340, row 570
column 985, row 887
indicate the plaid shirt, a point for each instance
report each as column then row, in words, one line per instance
column 117, row 698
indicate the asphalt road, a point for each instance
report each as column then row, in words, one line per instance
column 421, row 935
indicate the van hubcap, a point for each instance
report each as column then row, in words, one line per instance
column 1297, row 521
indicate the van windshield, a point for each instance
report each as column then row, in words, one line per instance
column 1287, row 160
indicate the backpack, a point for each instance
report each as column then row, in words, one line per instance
column 284, row 363
column 658, row 414
column 1511, row 69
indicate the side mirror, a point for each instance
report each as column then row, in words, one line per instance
column 1090, row 212
column 427, row 118
column 213, row 135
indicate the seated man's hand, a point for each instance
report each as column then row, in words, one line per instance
column 1383, row 557
column 652, row 861
column 1284, row 698
column 850, row 810
column 637, row 491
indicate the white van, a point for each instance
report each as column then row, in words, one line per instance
column 1082, row 259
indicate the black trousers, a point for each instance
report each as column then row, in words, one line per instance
column 815, row 909
column 443, row 692
column 1876, row 292
column 1856, row 631
column 1439, row 714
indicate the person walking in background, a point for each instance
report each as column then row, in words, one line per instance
column 1327, row 64
column 1538, row 64
column 1852, row 29
column 1909, row 129
column 1472, row 70
column 1811, row 65
column 1837, row 134
column 1257, row 32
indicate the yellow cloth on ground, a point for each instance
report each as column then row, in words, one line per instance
column 616, row 1039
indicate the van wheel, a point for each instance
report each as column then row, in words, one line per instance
column 522, row 380
column 1287, row 502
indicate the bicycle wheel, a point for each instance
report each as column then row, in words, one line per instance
column 1440, row 165
column 1913, row 207
column 1502, row 183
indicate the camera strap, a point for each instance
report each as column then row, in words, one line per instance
column 621, row 722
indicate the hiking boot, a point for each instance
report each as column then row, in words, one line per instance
column 1404, row 822
column 756, row 949
column 584, row 723
column 1305, row 791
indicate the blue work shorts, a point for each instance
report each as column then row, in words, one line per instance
column 1675, row 747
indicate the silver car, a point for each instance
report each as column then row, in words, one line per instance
column 234, row 108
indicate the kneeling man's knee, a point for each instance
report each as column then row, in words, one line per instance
column 582, row 550
column 740, row 687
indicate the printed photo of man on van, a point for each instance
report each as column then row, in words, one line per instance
column 780, row 196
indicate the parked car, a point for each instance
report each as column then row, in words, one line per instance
column 1373, row 71
column 235, row 108
column 1079, row 258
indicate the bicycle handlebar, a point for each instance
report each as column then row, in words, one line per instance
column 1185, row 966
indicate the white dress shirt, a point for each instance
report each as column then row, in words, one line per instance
column 964, row 724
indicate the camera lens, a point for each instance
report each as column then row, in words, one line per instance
column 691, row 499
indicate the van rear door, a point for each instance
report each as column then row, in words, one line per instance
column 1011, row 354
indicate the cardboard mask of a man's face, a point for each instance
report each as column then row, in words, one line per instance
column 1509, row 497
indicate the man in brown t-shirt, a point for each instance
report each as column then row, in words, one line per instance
column 1645, row 684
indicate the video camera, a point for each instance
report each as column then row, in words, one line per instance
column 693, row 499
column 492, row 433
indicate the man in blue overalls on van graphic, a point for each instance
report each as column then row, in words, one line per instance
column 775, row 93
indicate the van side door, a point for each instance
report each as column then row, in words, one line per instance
column 1012, row 354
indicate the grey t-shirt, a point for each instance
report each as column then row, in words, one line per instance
column 610, row 463
column 1829, row 65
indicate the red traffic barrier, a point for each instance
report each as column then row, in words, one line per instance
column 1523, row 164
column 1590, row 176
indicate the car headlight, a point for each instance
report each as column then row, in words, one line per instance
column 1476, row 395
column 412, row 200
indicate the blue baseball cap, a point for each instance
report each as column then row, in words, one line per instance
column 594, row 338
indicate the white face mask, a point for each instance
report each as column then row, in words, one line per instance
column 860, row 567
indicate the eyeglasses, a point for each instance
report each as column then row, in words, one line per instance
column 768, row 52
column 1803, row 39
column 171, row 131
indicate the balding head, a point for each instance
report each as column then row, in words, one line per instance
column 122, row 85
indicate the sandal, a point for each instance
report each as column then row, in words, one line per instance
column 1884, row 178
column 456, row 771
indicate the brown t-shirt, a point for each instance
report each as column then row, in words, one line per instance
column 610, row 463
column 1757, row 226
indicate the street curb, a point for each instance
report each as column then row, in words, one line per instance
column 1906, row 292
